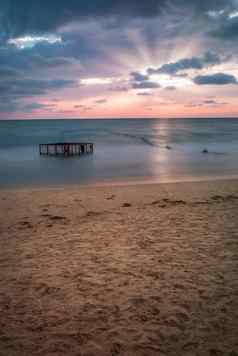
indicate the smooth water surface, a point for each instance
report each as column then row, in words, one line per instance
column 132, row 149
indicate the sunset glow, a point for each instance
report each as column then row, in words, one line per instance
column 151, row 63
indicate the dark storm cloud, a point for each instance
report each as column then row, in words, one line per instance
column 215, row 79
column 33, row 16
column 209, row 59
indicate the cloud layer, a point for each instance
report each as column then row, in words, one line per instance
column 32, row 16
column 117, row 58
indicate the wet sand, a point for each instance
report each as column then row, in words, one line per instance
column 138, row 270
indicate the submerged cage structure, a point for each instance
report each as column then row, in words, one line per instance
column 66, row 149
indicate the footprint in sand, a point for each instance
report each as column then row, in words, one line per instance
column 182, row 317
column 217, row 197
column 93, row 213
column 200, row 202
column 126, row 205
column 45, row 206
column 57, row 217
column 231, row 197
column 54, row 217
column 137, row 301
column 159, row 203
column 155, row 202
column 190, row 346
column 26, row 224
column 116, row 349
column 60, row 219
column 215, row 352
column 172, row 202
column 178, row 202
column 233, row 353
column 44, row 289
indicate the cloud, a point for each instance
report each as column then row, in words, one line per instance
column 145, row 85
column 83, row 107
column 208, row 103
column 9, row 106
column 14, row 91
column 213, row 103
column 30, row 87
column 31, row 41
column 8, row 73
column 209, row 59
column 78, row 40
column 32, row 16
column 141, row 81
column 15, row 62
column 226, row 27
column 101, row 101
column 119, row 88
column 170, row 88
column 215, row 79
column 48, row 62
column 192, row 105
column 144, row 94
column 16, row 106
column 138, row 77
column 37, row 106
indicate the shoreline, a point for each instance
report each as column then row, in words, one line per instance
column 121, row 183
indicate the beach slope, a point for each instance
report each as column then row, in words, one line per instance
column 133, row 270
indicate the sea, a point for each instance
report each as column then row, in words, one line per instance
column 126, row 151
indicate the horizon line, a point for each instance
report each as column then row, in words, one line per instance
column 122, row 118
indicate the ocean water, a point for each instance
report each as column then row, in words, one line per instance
column 125, row 150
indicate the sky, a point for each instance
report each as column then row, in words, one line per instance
column 122, row 59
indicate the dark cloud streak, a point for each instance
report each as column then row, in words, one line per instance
column 33, row 16
column 145, row 85
column 31, row 87
column 215, row 79
column 209, row 59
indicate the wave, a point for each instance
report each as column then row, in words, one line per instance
column 143, row 139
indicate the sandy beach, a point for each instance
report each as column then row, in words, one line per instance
column 131, row 270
